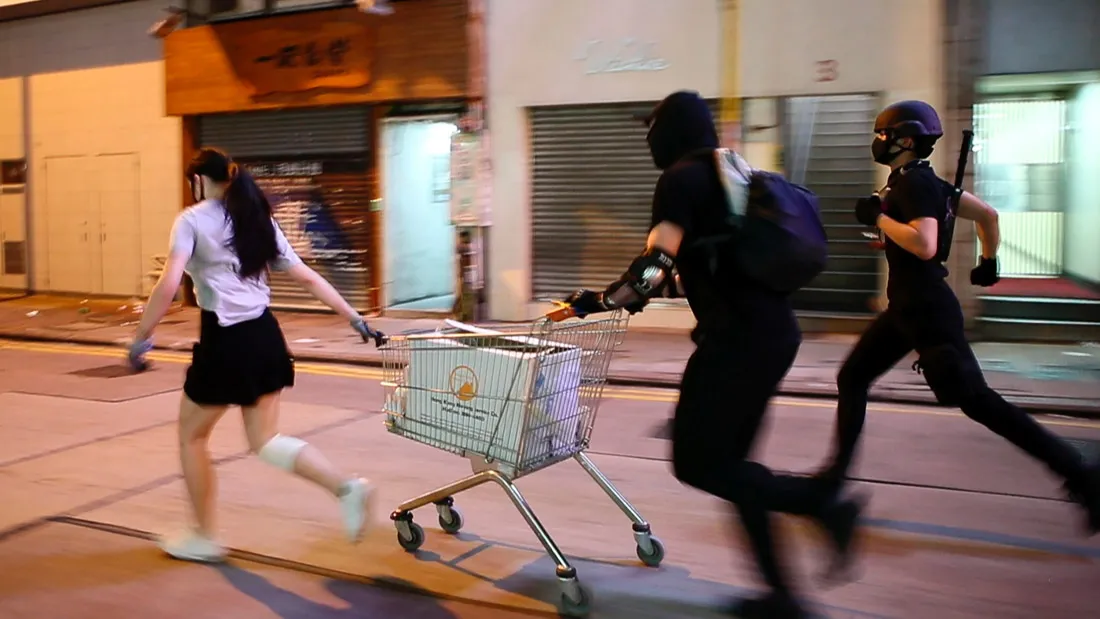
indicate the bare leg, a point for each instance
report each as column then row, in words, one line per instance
column 294, row 455
column 195, row 425
column 261, row 422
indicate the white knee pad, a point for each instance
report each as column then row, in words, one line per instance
column 281, row 451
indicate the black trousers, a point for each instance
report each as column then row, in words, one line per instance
column 928, row 328
column 724, row 397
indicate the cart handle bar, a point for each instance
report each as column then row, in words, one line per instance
column 563, row 312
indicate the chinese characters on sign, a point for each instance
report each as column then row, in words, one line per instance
column 335, row 55
column 286, row 168
column 326, row 57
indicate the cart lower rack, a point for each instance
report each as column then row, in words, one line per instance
column 513, row 402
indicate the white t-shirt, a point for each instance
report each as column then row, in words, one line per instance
column 201, row 233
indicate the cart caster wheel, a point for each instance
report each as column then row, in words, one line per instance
column 654, row 557
column 579, row 608
column 450, row 520
column 414, row 544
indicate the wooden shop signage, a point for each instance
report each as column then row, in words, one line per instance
column 241, row 65
column 287, row 60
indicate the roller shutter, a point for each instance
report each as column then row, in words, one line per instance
column 827, row 149
column 312, row 164
column 592, row 190
column 290, row 133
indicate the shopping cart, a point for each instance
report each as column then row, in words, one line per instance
column 512, row 401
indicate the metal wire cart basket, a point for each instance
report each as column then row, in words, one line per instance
column 513, row 402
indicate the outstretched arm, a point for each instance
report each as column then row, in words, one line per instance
column 160, row 299
column 651, row 275
column 987, row 221
column 321, row 290
column 311, row 281
column 181, row 245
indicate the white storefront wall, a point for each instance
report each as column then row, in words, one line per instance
column 892, row 48
column 13, row 203
column 104, row 169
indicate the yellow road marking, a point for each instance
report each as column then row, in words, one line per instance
column 616, row 393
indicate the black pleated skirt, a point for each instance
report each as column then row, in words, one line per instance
column 238, row 364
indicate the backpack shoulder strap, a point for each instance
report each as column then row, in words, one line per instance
column 734, row 173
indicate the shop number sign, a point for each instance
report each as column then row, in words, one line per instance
column 826, row 71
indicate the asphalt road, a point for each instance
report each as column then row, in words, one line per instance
column 961, row 524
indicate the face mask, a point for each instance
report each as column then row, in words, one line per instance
column 663, row 154
column 880, row 150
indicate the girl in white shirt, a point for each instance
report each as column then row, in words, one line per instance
column 227, row 243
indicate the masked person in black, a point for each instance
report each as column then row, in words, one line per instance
column 916, row 213
column 746, row 337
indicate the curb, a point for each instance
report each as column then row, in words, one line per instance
column 1079, row 411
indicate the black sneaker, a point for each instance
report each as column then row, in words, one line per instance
column 770, row 606
column 1087, row 494
column 840, row 520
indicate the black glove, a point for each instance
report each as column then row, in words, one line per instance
column 985, row 274
column 585, row 302
column 869, row 209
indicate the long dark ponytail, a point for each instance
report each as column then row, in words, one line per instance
column 246, row 207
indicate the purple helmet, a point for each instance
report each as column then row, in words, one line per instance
column 909, row 119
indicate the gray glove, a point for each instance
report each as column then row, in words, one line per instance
column 363, row 329
column 135, row 355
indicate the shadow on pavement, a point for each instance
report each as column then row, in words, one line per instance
column 362, row 600
column 624, row 589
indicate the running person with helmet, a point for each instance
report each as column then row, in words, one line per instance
column 227, row 243
column 916, row 214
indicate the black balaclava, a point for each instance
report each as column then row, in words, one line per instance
column 680, row 124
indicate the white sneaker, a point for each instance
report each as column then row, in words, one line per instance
column 358, row 508
column 193, row 546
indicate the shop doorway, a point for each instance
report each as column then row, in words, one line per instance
column 419, row 241
column 1021, row 171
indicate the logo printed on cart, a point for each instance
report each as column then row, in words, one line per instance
column 463, row 383
column 466, row 411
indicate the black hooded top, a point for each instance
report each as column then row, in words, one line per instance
column 682, row 138
column 680, row 125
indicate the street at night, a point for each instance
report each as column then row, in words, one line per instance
column 960, row 524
